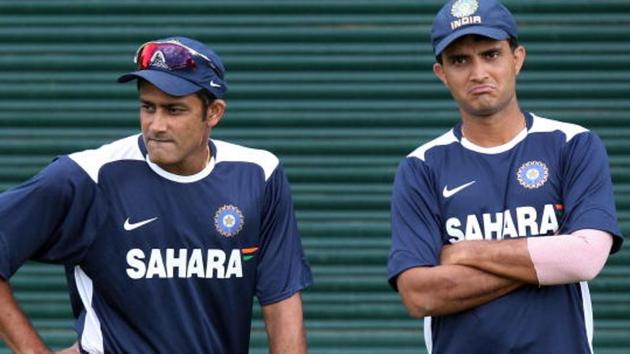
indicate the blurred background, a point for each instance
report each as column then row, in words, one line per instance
column 341, row 91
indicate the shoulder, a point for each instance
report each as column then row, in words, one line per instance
column 91, row 161
column 443, row 140
column 228, row 152
column 572, row 138
column 546, row 125
column 426, row 159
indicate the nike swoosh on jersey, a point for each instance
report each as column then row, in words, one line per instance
column 128, row 226
column 447, row 193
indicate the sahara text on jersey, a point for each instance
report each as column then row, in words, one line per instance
column 504, row 224
column 164, row 263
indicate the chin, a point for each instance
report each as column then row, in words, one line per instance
column 158, row 159
column 485, row 112
column 481, row 111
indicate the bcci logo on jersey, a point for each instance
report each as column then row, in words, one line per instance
column 532, row 174
column 228, row 220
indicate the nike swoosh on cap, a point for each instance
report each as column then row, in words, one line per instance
column 128, row 226
column 446, row 193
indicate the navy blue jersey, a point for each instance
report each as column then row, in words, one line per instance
column 158, row 262
column 552, row 178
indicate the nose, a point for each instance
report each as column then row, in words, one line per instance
column 478, row 72
column 159, row 122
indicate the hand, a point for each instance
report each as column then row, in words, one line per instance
column 456, row 253
column 447, row 256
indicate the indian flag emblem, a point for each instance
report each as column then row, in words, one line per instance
column 248, row 253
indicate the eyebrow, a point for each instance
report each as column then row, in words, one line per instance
column 456, row 55
column 484, row 52
column 493, row 49
column 166, row 105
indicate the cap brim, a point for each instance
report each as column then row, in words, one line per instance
column 493, row 33
column 169, row 83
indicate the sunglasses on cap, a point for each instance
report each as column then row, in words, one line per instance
column 170, row 55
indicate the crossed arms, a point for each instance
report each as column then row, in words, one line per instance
column 472, row 273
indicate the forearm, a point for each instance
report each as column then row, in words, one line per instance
column 569, row 258
column 448, row 289
column 15, row 328
column 285, row 326
column 505, row 258
column 547, row 260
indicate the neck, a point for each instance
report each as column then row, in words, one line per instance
column 493, row 130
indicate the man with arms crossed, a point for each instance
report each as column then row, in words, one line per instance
column 166, row 235
column 498, row 224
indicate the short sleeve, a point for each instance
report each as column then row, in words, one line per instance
column 282, row 269
column 416, row 235
column 588, row 195
column 47, row 218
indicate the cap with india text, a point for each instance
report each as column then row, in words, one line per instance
column 457, row 18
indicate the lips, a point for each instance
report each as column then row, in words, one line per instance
column 482, row 89
column 158, row 141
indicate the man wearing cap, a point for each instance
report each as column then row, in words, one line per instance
column 498, row 223
column 166, row 235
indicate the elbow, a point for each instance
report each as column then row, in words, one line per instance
column 589, row 273
column 418, row 305
column 416, row 296
column 557, row 276
column 418, row 311
column 563, row 260
column 591, row 266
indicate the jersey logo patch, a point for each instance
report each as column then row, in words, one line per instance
column 228, row 220
column 129, row 226
column 532, row 174
column 447, row 193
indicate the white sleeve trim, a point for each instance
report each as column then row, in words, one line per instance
column 545, row 125
column 445, row 139
column 227, row 152
column 91, row 161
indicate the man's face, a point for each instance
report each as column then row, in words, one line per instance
column 174, row 129
column 481, row 74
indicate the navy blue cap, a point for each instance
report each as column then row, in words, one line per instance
column 208, row 73
column 488, row 18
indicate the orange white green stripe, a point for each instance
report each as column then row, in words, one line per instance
column 248, row 253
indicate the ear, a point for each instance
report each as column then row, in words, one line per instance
column 215, row 112
column 519, row 58
column 438, row 70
